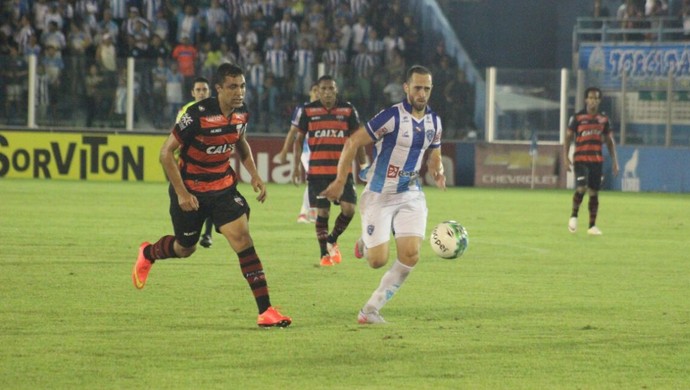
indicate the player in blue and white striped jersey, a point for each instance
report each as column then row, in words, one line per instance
column 392, row 201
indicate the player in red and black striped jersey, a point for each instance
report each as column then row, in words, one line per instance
column 590, row 129
column 328, row 123
column 203, row 184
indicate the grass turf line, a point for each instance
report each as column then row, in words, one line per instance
column 528, row 306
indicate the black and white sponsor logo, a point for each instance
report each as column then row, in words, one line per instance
column 185, row 121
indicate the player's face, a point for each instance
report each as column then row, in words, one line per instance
column 592, row 101
column 418, row 90
column 200, row 91
column 327, row 92
column 231, row 91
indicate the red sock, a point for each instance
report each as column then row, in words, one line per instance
column 253, row 272
column 161, row 249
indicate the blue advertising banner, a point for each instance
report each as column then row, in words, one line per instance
column 653, row 169
column 644, row 65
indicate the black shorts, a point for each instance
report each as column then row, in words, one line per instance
column 222, row 207
column 588, row 175
column 316, row 186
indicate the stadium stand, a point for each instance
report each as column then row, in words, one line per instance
column 81, row 50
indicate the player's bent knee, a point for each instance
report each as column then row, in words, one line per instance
column 185, row 251
column 240, row 242
column 376, row 262
column 408, row 258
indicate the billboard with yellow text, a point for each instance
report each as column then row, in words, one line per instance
column 77, row 156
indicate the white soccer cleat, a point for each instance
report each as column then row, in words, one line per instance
column 370, row 318
column 594, row 231
column 572, row 224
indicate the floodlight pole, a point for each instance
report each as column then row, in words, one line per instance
column 129, row 119
column 564, row 104
column 490, row 104
column 31, row 112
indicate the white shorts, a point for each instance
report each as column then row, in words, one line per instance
column 402, row 214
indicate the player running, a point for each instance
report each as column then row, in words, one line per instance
column 200, row 91
column 393, row 201
column 203, row 185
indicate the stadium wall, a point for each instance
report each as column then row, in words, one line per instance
column 133, row 156
column 654, row 169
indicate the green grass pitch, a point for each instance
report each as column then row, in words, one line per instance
column 528, row 306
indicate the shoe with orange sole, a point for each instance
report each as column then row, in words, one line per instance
column 141, row 268
column 271, row 317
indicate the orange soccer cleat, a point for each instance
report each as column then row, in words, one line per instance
column 271, row 317
column 334, row 252
column 326, row 261
column 141, row 268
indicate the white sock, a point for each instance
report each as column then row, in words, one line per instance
column 390, row 284
column 305, row 202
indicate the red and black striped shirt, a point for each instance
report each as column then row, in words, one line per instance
column 590, row 132
column 207, row 139
column 326, row 131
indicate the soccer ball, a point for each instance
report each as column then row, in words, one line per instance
column 449, row 240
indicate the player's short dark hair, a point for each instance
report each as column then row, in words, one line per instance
column 593, row 89
column 227, row 69
column 416, row 69
column 201, row 80
column 325, row 77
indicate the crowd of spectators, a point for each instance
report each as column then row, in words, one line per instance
column 82, row 47
column 645, row 14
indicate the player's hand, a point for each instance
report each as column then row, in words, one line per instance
column 333, row 192
column 259, row 186
column 568, row 164
column 297, row 175
column 440, row 179
column 282, row 157
column 188, row 202
column 296, row 178
column 615, row 168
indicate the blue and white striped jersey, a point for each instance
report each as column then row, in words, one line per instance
column 294, row 120
column 297, row 113
column 401, row 141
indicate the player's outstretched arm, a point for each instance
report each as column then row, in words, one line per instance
column 288, row 144
column 187, row 201
column 357, row 140
column 297, row 158
column 435, row 166
column 247, row 159
column 566, row 149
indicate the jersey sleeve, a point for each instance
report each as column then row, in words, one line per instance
column 184, row 127
column 436, row 141
column 572, row 123
column 353, row 121
column 183, row 110
column 607, row 126
column 383, row 123
column 296, row 115
column 303, row 121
